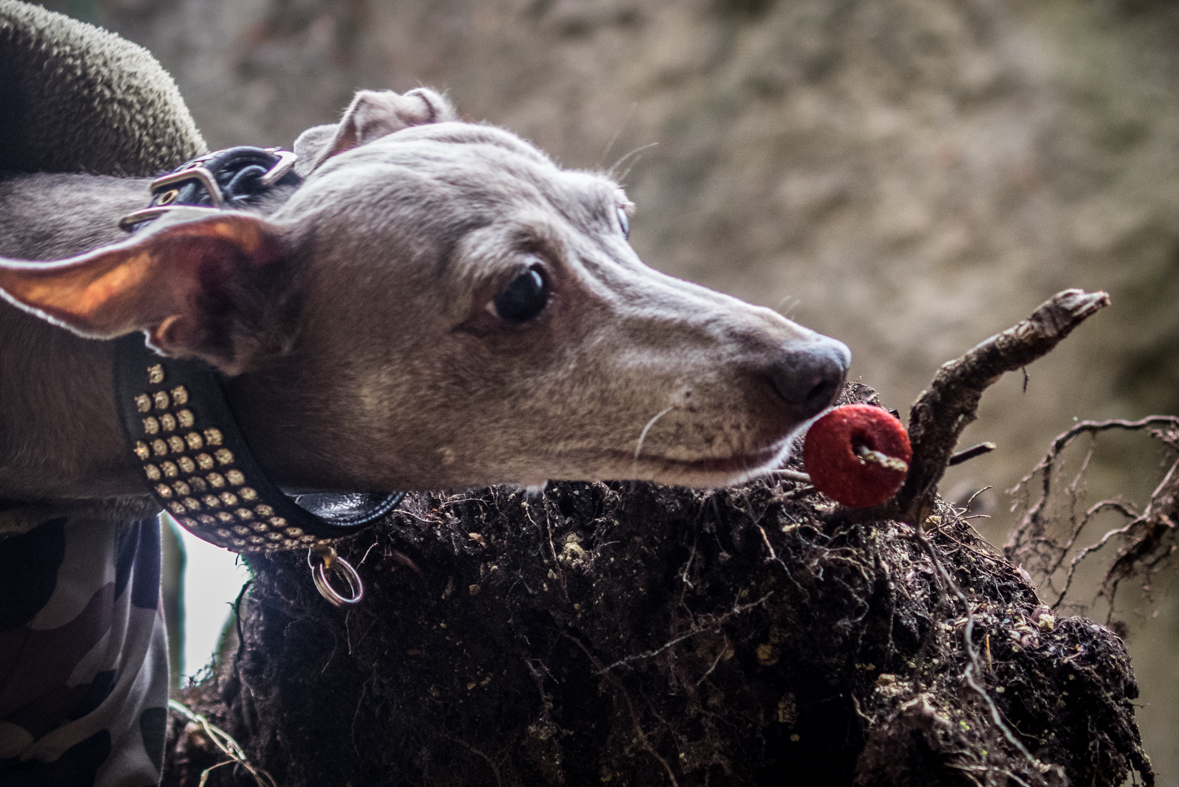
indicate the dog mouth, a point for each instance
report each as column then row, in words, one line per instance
column 707, row 471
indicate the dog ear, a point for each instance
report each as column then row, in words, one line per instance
column 371, row 115
column 196, row 284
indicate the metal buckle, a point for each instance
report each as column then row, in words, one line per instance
column 285, row 163
column 196, row 172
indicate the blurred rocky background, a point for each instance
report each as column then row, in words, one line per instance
column 909, row 176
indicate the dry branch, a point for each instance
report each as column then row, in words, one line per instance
column 939, row 415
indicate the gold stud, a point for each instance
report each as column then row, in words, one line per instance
column 229, row 498
column 177, row 508
column 185, row 418
column 198, row 483
column 204, row 461
column 242, row 530
column 263, row 510
column 143, row 403
column 170, row 470
column 237, row 542
column 142, row 451
column 192, row 504
column 153, row 472
column 224, row 456
column 151, row 425
column 247, row 493
column 308, row 539
column 159, row 447
column 235, row 477
column 274, row 536
column 261, row 527
column 181, row 488
column 194, row 441
column 161, row 400
column 223, row 532
column 180, row 395
column 256, row 540
column 213, row 436
column 294, row 532
column 216, row 479
column 211, row 501
column 176, row 444
column 155, row 374
column 244, row 513
column 168, row 422
column 163, row 490
column 278, row 521
column 188, row 522
column 207, row 520
column 186, row 464
column 225, row 517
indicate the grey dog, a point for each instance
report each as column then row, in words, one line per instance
column 438, row 305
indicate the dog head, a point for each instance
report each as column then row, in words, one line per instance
column 440, row 305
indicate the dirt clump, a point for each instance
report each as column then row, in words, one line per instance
column 632, row 634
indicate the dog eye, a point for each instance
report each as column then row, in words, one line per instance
column 523, row 299
column 624, row 222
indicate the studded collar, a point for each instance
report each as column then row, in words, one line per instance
column 178, row 423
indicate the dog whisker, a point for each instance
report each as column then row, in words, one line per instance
column 614, row 137
column 647, row 428
column 614, row 167
column 786, row 305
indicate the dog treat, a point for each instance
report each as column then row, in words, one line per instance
column 857, row 455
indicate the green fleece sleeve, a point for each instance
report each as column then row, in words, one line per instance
column 76, row 98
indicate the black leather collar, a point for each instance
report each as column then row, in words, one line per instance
column 178, row 423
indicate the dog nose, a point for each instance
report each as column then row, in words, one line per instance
column 809, row 376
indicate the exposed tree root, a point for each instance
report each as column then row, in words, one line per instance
column 1148, row 538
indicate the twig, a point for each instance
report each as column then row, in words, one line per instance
column 970, row 453
column 938, row 417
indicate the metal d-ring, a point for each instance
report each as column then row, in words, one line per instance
column 322, row 559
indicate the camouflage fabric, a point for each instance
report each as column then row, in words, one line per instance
column 83, row 655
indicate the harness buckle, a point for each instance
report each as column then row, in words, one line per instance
column 202, row 173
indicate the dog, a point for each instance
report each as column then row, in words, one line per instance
column 360, row 324
column 437, row 305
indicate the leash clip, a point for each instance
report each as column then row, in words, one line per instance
column 323, row 558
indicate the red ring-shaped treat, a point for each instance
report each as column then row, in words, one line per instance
column 851, row 455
